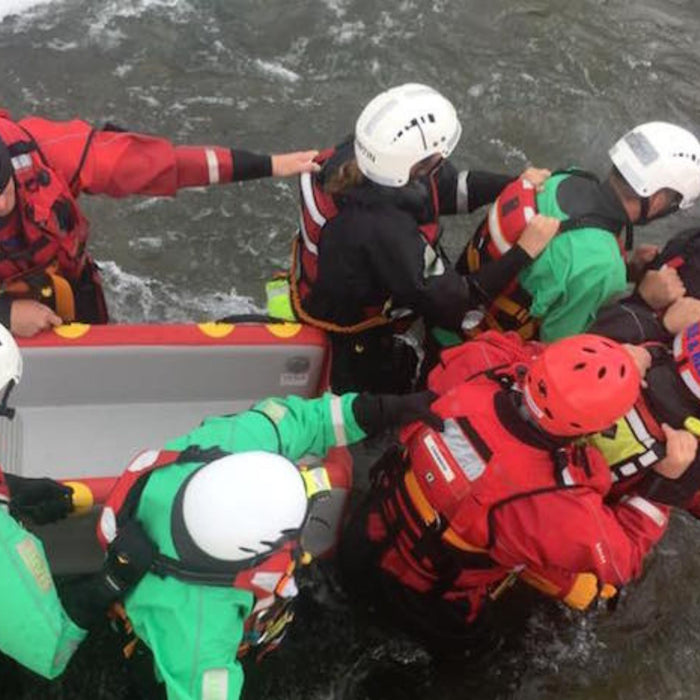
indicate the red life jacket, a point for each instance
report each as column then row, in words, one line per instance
column 437, row 510
column 496, row 351
column 317, row 209
column 54, row 229
column 270, row 578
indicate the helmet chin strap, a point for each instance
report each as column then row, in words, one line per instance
column 644, row 217
column 5, row 410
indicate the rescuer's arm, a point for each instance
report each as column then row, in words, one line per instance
column 118, row 163
column 295, row 427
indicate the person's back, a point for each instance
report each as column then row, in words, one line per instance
column 367, row 255
column 655, row 172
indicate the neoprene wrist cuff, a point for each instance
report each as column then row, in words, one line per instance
column 250, row 166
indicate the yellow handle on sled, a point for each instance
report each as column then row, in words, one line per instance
column 83, row 499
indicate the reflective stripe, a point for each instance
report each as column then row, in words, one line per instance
column 638, row 428
column 22, row 161
column 338, row 421
column 647, row 508
column 462, row 450
column 212, row 165
column 215, row 684
column 628, row 469
column 649, row 458
column 307, row 193
column 678, row 347
column 495, row 230
column 308, row 243
column 566, row 477
column 462, row 192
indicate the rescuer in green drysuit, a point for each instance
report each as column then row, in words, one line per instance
column 37, row 629
column 232, row 515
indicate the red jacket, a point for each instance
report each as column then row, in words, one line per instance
column 54, row 162
column 552, row 518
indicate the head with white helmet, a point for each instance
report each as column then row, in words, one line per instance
column 238, row 509
column 660, row 162
column 403, row 133
column 10, row 369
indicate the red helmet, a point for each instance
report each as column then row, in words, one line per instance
column 581, row 385
column 686, row 351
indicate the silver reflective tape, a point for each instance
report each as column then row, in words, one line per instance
column 215, row 684
column 566, row 477
column 213, row 166
column 308, row 243
column 22, row 161
column 647, row 508
column 462, row 192
column 640, row 432
column 628, row 469
column 496, row 233
column 462, row 450
column 648, row 458
column 338, row 421
column 307, row 193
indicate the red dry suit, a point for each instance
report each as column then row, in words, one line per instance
column 43, row 244
column 489, row 498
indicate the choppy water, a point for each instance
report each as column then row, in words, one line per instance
column 540, row 81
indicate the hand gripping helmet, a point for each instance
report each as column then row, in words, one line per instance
column 10, row 369
column 581, row 385
column 686, row 351
column 657, row 155
column 238, row 509
column 401, row 127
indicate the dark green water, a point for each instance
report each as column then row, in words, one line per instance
column 543, row 81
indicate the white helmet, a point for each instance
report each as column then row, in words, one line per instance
column 10, row 368
column 657, row 155
column 241, row 506
column 401, row 127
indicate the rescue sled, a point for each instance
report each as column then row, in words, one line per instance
column 93, row 396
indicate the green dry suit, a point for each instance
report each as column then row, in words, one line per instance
column 195, row 630
column 34, row 629
column 580, row 270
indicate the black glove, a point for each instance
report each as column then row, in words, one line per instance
column 129, row 557
column 39, row 500
column 377, row 412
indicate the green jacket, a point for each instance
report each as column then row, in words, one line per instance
column 34, row 628
column 576, row 274
column 194, row 631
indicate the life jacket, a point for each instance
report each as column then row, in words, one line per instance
column 496, row 351
column 269, row 577
column 317, row 209
column 507, row 218
column 438, row 507
column 633, row 445
column 53, row 228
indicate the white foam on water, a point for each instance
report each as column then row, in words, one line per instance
column 134, row 299
column 277, row 70
column 19, row 7
column 101, row 20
